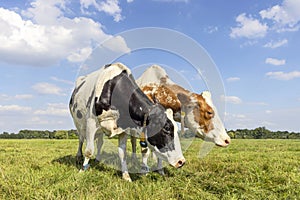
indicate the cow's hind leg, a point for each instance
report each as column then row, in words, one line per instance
column 90, row 136
column 99, row 146
column 133, row 145
column 79, row 155
column 160, row 168
column 145, row 156
column 122, row 155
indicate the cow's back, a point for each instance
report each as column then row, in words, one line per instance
column 90, row 86
column 154, row 75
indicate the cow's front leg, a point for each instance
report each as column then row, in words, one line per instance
column 99, row 146
column 90, row 136
column 160, row 168
column 133, row 145
column 145, row 155
column 122, row 155
column 79, row 155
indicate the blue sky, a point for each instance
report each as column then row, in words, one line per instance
column 254, row 44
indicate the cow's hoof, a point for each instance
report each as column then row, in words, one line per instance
column 161, row 172
column 126, row 177
column 84, row 168
column 145, row 170
column 79, row 160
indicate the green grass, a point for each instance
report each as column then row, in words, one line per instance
column 247, row 169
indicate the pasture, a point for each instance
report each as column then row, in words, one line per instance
column 247, row 169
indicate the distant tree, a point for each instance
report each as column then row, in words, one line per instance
column 231, row 134
column 72, row 134
column 61, row 134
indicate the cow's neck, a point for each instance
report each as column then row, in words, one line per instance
column 175, row 104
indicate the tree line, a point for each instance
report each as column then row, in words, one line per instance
column 262, row 133
column 38, row 134
column 257, row 133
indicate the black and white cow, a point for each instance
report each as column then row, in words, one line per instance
column 108, row 101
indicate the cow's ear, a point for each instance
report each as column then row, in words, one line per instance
column 184, row 99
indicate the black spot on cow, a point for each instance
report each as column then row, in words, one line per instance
column 79, row 114
column 107, row 65
column 74, row 107
column 88, row 104
column 74, row 93
column 123, row 94
column 104, row 101
column 160, row 130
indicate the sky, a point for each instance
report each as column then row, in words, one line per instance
column 254, row 45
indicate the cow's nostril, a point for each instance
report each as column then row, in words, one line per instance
column 227, row 141
column 180, row 163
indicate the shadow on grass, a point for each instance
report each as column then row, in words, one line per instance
column 110, row 161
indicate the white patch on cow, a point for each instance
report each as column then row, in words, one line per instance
column 218, row 135
column 207, row 97
column 107, row 74
column 100, row 77
column 153, row 74
column 190, row 121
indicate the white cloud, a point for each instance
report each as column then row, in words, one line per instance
column 54, row 109
column 47, row 88
column 5, row 97
column 211, row 29
column 285, row 16
column 44, row 39
column 274, row 61
column 232, row 99
column 268, row 111
column 80, row 55
column 117, row 44
column 39, row 8
column 110, row 7
column 62, row 80
column 129, row 1
column 14, row 108
column 283, row 76
column 36, row 121
column 23, row 96
column 248, row 27
column 233, row 79
column 277, row 44
column 280, row 119
column 257, row 103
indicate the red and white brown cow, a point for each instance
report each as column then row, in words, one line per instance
column 200, row 114
column 196, row 111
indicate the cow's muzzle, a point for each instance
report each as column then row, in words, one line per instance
column 224, row 143
column 179, row 163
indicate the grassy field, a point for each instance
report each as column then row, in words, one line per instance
column 247, row 169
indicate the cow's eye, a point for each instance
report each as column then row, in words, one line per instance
column 211, row 114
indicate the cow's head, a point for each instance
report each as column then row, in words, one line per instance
column 202, row 117
column 162, row 136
